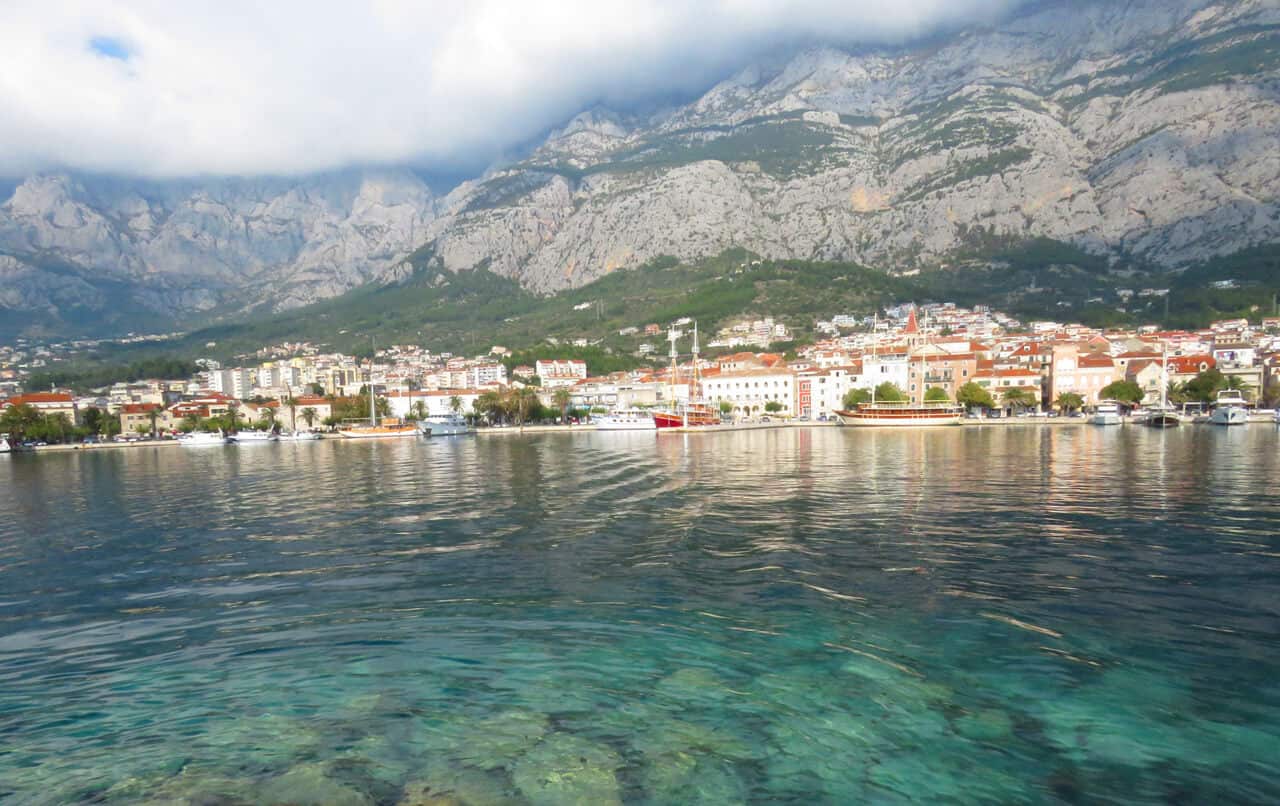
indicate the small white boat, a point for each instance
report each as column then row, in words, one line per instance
column 1277, row 416
column 625, row 420
column 445, row 425
column 202, row 439
column 299, row 436
column 1230, row 409
column 253, row 437
column 5, row 447
column 1106, row 413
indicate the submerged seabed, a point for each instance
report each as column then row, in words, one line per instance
column 1003, row 615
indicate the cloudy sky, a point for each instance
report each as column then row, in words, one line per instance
column 173, row 88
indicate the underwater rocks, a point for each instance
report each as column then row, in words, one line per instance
column 565, row 769
column 310, row 785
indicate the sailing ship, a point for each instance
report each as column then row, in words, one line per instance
column 389, row 428
column 1164, row 415
column 901, row 414
column 691, row 412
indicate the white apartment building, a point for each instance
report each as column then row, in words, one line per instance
column 488, row 374
column 236, row 383
column 821, row 392
column 750, row 390
column 556, row 373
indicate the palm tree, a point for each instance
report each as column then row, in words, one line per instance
column 153, row 415
column 522, row 401
column 1018, row 398
column 562, row 398
column 1069, row 401
column 419, row 410
column 455, row 404
column 233, row 414
column 309, row 416
column 491, row 405
column 293, row 412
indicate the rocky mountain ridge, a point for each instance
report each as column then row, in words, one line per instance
column 1145, row 130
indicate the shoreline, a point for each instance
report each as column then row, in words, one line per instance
column 1009, row 422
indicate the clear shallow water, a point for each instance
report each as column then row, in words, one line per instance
column 1012, row 615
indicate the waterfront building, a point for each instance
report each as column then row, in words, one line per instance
column 1080, row 372
column 135, row 417
column 291, row 418
column 49, row 403
column 749, row 391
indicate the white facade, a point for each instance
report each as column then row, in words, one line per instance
column 236, row 383
column 827, row 389
column 883, row 369
column 751, row 390
column 488, row 374
column 555, row 373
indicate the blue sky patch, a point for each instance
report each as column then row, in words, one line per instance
column 110, row 47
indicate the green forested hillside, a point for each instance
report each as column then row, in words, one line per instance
column 468, row 312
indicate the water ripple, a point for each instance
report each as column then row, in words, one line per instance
column 831, row 615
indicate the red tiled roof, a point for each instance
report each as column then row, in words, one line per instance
column 40, row 397
column 140, row 408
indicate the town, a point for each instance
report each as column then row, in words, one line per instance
column 981, row 359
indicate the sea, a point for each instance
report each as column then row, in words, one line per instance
column 1000, row 614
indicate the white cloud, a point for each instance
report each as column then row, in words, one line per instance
column 291, row 86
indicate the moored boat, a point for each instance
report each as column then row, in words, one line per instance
column 252, row 437
column 386, row 429
column 4, row 444
column 685, row 415
column 1106, row 413
column 203, row 439
column 1164, row 415
column 625, row 420
column 299, row 436
column 902, row 415
column 1230, row 409
column 445, row 425
column 1160, row 417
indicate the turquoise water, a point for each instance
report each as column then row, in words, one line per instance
column 1008, row 615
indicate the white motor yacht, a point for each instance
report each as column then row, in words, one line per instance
column 4, row 444
column 445, row 425
column 254, row 437
column 1106, row 413
column 202, row 439
column 1230, row 409
column 625, row 420
column 299, row 436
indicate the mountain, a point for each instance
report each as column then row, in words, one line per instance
column 91, row 253
column 1145, row 132
column 1146, row 129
